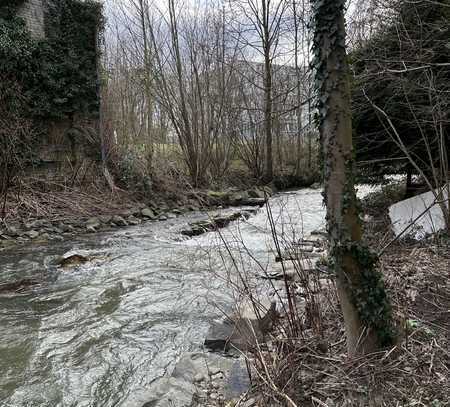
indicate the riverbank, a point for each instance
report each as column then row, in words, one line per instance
column 56, row 216
column 305, row 362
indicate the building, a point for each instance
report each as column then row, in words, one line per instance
column 285, row 109
column 33, row 11
column 68, row 121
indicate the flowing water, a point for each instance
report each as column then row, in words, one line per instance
column 99, row 334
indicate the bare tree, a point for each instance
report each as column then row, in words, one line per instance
column 260, row 25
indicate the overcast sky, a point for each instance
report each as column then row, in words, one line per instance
column 115, row 20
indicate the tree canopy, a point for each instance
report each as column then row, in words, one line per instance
column 401, row 86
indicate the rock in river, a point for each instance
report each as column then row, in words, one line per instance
column 71, row 259
column 32, row 234
column 119, row 221
column 93, row 223
column 148, row 213
column 170, row 392
column 17, row 286
column 217, row 222
column 240, row 332
column 254, row 202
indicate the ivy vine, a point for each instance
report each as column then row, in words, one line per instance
column 365, row 284
column 57, row 75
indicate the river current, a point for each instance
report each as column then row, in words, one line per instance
column 101, row 333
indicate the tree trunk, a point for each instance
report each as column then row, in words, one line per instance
column 267, row 91
column 297, row 92
column 268, row 116
column 361, row 293
column 143, row 11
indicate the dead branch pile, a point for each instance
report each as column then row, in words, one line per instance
column 63, row 202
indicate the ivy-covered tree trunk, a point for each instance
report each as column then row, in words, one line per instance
column 363, row 300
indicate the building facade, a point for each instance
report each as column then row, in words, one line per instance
column 33, row 11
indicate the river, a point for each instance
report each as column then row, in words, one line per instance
column 101, row 333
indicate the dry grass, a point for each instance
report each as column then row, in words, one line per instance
column 311, row 367
column 59, row 201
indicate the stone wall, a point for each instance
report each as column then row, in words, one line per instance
column 67, row 145
column 33, row 13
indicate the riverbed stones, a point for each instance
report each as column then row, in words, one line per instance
column 254, row 202
column 288, row 274
column 236, row 198
column 91, row 229
column 312, row 247
column 288, row 255
column 302, row 265
column 217, row 222
column 215, row 370
column 35, row 224
column 119, row 221
column 223, row 377
column 148, row 213
column 320, row 232
column 132, row 220
column 18, row 286
column 72, row 258
column 93, row 223
column 170, row 392
column 105, row 219
column 44, row 236
column 65, row 227
column 241, row 329
column 199, row 377
column 220, row 335
column 12, row 231
column 131, row 212
column 32, row 234
column 218, row 197
column 256, row 193
column 58, row 229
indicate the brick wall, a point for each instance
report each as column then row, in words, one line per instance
column 33, row 13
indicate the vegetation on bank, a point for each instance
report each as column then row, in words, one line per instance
column 361, row 293
column 304, row 360
column 43, row 82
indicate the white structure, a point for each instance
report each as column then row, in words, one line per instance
column 407, row 214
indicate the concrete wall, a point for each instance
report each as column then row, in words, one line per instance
column 33, row 13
